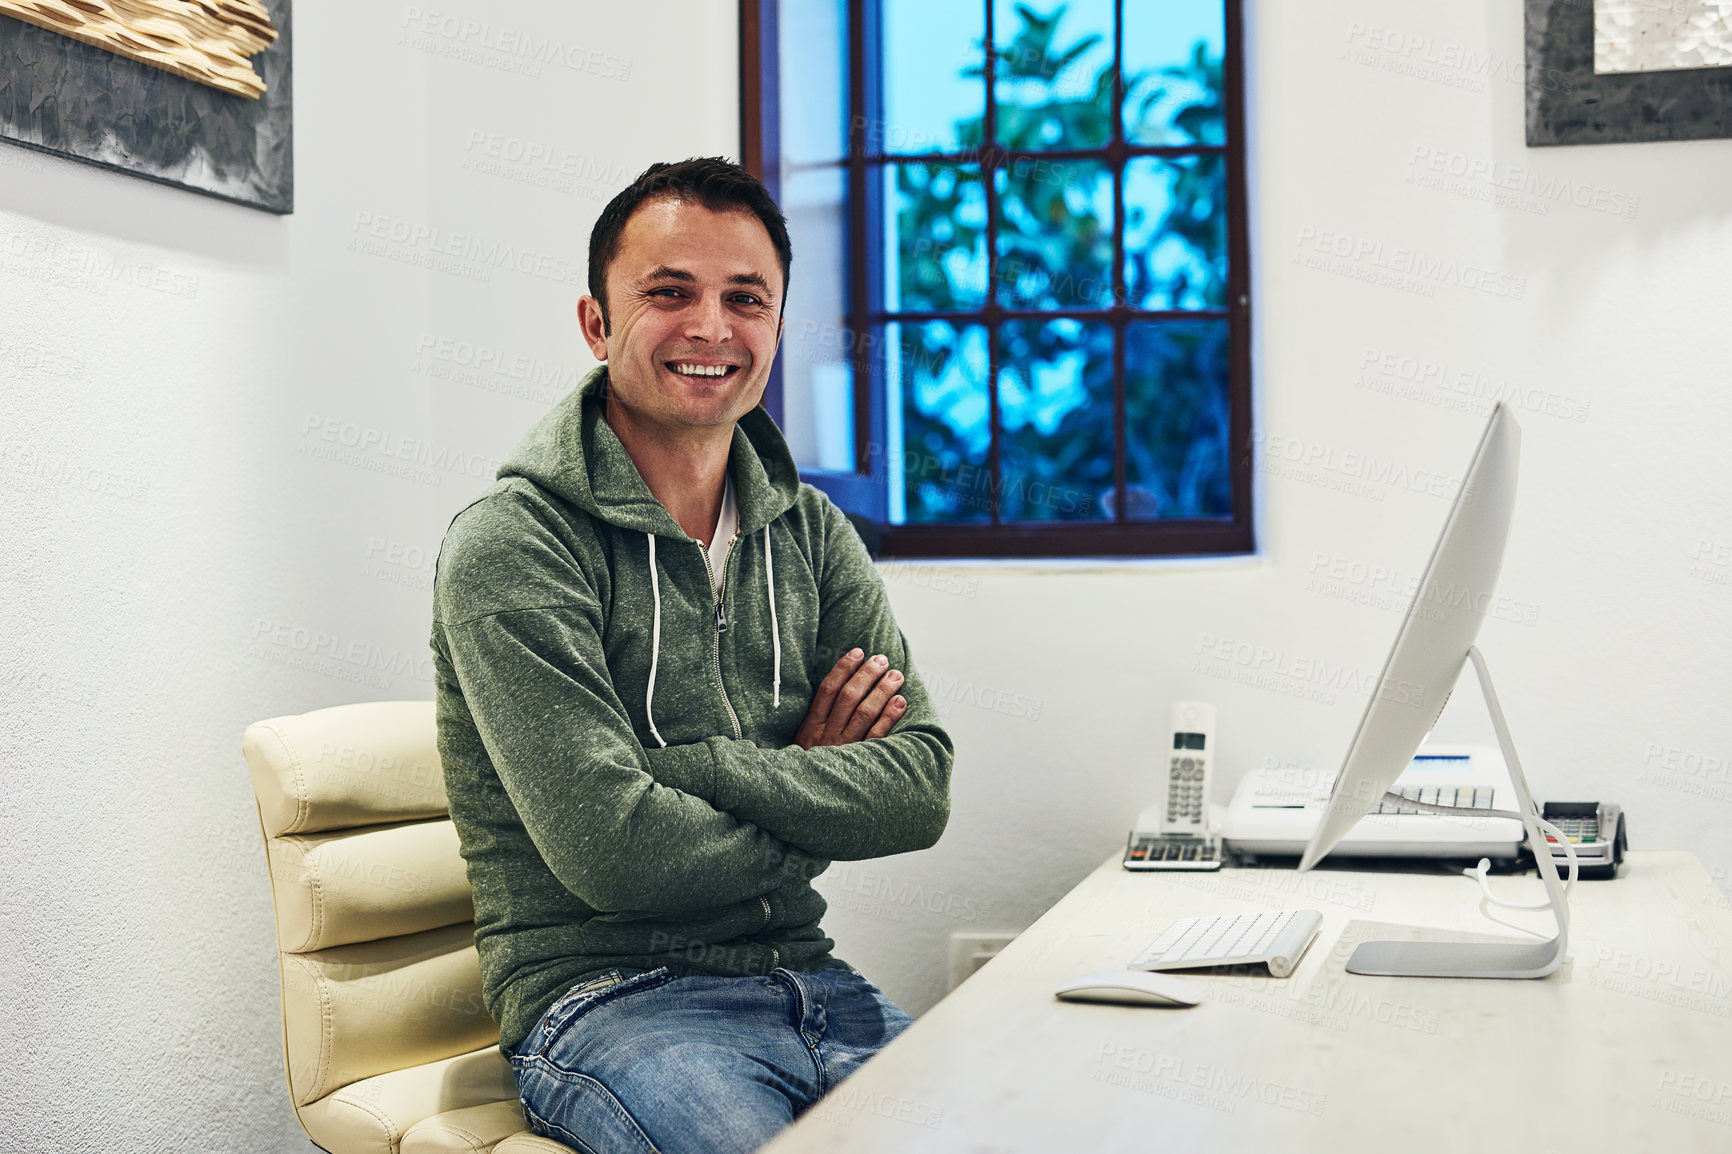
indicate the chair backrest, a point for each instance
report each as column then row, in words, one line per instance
column 375, row 926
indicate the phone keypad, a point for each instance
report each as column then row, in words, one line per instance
column 1185, row 800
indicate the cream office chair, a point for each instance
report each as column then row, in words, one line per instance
column 388, row 1046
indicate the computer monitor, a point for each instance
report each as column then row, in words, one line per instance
column 1435, row 640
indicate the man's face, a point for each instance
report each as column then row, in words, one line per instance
column 694, row 298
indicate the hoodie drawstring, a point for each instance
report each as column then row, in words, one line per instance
column 775, row 633
column 649, row 694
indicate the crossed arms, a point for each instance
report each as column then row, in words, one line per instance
column 716, row 821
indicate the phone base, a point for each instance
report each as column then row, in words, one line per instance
column 1148, row 851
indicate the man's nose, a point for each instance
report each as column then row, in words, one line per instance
column 707, row 320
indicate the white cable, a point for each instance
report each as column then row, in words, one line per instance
column 1484, row 866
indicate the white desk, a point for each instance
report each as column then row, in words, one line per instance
column 1627, row 1048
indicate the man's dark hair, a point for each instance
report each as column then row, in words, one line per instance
column 712, row 181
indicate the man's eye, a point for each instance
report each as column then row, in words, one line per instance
column 672, row 292
column 747, row 299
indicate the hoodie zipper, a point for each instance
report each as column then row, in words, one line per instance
column 775, row 954
column 721, row 627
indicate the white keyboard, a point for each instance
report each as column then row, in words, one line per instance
column 1277, row 939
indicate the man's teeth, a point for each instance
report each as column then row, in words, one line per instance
column 701, row 370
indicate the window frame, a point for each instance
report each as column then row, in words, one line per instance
column 863, row 492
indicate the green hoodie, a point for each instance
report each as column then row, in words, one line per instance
column 617, row 741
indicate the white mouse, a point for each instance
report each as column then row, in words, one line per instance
column 1133, row 988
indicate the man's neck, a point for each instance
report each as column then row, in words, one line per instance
column 687, row 474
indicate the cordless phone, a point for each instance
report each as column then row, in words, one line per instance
column 1185, row 808
column 1174, row 833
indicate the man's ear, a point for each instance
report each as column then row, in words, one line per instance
column 593, row 321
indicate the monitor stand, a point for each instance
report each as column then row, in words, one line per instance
column 1513, row 959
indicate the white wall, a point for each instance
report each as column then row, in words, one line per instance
column 1625, row 664
column 140, row 622
column 143, row 627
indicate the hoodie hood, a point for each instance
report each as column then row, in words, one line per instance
column 573, row 452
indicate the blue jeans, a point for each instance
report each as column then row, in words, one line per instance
column 646, row 1062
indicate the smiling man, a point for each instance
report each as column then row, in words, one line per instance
column 670, row 693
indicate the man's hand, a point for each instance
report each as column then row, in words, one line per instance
column 857, row 699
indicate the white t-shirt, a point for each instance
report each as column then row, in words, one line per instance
column 727, row 524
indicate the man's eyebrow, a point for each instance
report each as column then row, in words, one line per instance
column 753, row 279
column 668, row 272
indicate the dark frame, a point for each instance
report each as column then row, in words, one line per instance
column 62, row 96
column 1569, row 103
column 862, row 491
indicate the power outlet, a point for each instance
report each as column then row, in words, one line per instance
column 969, row 952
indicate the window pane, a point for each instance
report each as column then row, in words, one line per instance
column 1176, row 233
column 1055, row 238
column 938, row 219
column 1054, row 73
column 1176, row 458
column 940, row 374
column 933, row 76
column 1173, row 76
column 814, row 81
column 817, row 346
column 1055, row 399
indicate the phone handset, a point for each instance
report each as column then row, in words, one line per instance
column 1185, row 808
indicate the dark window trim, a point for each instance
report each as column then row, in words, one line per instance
column 864, row 490
column 761, row 134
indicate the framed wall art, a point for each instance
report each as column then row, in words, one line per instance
column 1620, row 71
column 192, row 93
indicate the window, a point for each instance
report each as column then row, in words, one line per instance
column 1018, row 323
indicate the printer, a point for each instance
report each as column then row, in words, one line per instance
column 1276, row 808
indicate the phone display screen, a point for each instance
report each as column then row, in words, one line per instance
column 1188, row 740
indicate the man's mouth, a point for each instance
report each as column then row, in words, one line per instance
column 697, row 369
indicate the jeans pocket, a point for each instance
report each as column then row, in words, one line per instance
column 593, row 985
column 583, row 1114
column 576, row 1003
